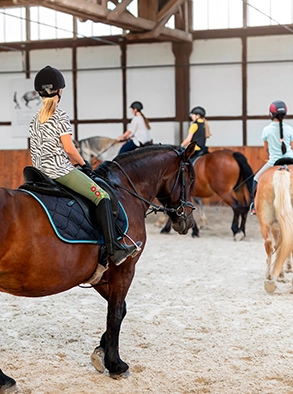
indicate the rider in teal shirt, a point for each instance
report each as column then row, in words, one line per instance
column 278, row 140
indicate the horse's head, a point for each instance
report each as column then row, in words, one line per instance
column 176, row 193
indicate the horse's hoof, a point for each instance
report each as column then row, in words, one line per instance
column 239, row 236
column 7, row 384
column 9, row 390
column 195, row 235
column 163, row 231
column 270, row 286
column 97, row 359
column 282, row 279
column 122, row 375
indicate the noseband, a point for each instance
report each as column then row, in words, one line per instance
column 179, row 211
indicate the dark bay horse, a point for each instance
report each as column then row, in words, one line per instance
column 34, row 262
column 227, row 174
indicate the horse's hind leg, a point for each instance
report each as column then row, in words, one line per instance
column 244, row 212
column 237, row 232
column 269, row 284
column 202, row 216
column 7, row 384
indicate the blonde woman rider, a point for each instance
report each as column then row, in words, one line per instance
column 53, row 153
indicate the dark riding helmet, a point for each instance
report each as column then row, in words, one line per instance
column 137, row 105
column 48, row 80
column 198, row 111
column 278, row 109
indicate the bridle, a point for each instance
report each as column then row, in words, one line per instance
column 179, row 210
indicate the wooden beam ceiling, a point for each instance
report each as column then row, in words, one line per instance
column 141, row 28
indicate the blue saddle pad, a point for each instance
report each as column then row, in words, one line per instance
column 69, row 221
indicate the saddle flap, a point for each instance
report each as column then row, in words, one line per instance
column 39, row 182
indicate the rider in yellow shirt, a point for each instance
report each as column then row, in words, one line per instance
column 198, row 131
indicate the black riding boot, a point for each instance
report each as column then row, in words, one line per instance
column 252, row 207
column 118, row 252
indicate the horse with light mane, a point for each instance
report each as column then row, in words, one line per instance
column 273, row 203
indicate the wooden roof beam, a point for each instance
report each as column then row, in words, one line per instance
column 174, row 34
column 120, row 8
column 164, row 15
column 162, row 18
column 168, row 10
column 97, row 13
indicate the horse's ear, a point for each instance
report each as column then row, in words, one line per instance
column 190, row 150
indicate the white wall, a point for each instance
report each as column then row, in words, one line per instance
column 99, row 92
column 154, row 87
column 267, row 82
column 218, row 87
column 150, row 78
column 9, row 61
column 225, row 133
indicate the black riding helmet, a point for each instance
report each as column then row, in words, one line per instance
column 278, row 109
column 198, row 111
column 137, row 105
column 48, row 80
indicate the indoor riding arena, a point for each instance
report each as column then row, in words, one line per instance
column 194, row 312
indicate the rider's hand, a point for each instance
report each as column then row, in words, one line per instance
column 87, row 168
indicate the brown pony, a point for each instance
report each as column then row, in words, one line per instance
column 273, row 202
column 35, row 263
column 227, row 174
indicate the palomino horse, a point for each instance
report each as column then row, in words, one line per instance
column 273, row 202
column 227, row 174
column 34, row 262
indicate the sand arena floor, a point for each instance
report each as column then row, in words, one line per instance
column 199, row 321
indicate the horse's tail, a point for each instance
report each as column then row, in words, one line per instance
column 246, row 172
column 284, row 216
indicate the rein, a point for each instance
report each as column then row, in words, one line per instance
column 105, row 150
column 156, row 208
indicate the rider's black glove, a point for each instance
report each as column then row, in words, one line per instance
column 87, row 168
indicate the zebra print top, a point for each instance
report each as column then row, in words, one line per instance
column 47, row 152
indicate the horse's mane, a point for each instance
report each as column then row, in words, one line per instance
column 144, row 152
column 128, row 157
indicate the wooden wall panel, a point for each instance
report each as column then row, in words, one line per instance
column 12, row 163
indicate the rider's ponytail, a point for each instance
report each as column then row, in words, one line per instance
column 284, row 149
column 145, row 121
column 48, row 108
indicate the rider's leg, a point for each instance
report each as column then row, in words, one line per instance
column 118, row 252
column 252, row 207
column 128, row 146
column 82, row 184
column 255, row 181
